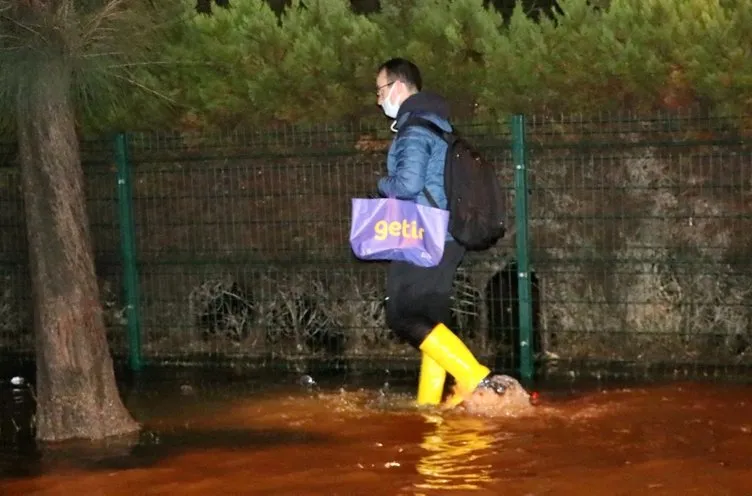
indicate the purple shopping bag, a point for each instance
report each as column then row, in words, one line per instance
column 392, row 229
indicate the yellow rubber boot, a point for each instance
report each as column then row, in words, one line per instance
column 431, row 382
column 455, row 358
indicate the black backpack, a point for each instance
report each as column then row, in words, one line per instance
column 476, row 200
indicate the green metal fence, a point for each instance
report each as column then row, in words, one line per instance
column 630, row 246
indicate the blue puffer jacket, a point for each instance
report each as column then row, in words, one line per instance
column 416, row 156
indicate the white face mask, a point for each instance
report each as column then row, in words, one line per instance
column 390, row 109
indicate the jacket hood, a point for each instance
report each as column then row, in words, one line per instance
column 424, row 102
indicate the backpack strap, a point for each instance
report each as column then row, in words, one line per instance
column 430, row 198
column 449, row 137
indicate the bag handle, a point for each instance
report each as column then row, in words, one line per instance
column 430, row 198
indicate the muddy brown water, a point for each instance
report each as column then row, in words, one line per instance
column 680, row 438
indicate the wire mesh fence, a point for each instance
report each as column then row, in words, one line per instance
column 639, row 228
column 243, row 246
column 640, row 236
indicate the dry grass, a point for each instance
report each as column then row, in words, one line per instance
column 221, row 308
column 358, row 308
column 303, row 312
column 285, row 312
column 295, row 312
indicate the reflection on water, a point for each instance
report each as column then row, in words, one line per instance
column 457, row 453
column 335, row 439
column 459, row 449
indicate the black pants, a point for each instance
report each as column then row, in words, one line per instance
column 419, row 298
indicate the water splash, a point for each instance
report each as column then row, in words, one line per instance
column 505, row 397
column 385, row 389
column 308, row 383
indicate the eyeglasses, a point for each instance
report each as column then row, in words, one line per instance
column 378, row 90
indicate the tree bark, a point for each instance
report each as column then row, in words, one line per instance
column 77, row 396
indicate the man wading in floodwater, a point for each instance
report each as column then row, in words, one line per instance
column 419, row 298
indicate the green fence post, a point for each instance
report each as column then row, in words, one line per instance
column 128, row 250
column 519, row 157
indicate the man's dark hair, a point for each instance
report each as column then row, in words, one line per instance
column 398, row 69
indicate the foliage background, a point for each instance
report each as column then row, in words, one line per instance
column 313, row 61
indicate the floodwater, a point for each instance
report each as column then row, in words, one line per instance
column 670, row 439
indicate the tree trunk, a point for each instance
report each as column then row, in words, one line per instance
column 77, row 396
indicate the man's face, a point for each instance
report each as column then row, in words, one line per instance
column 383, row 85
